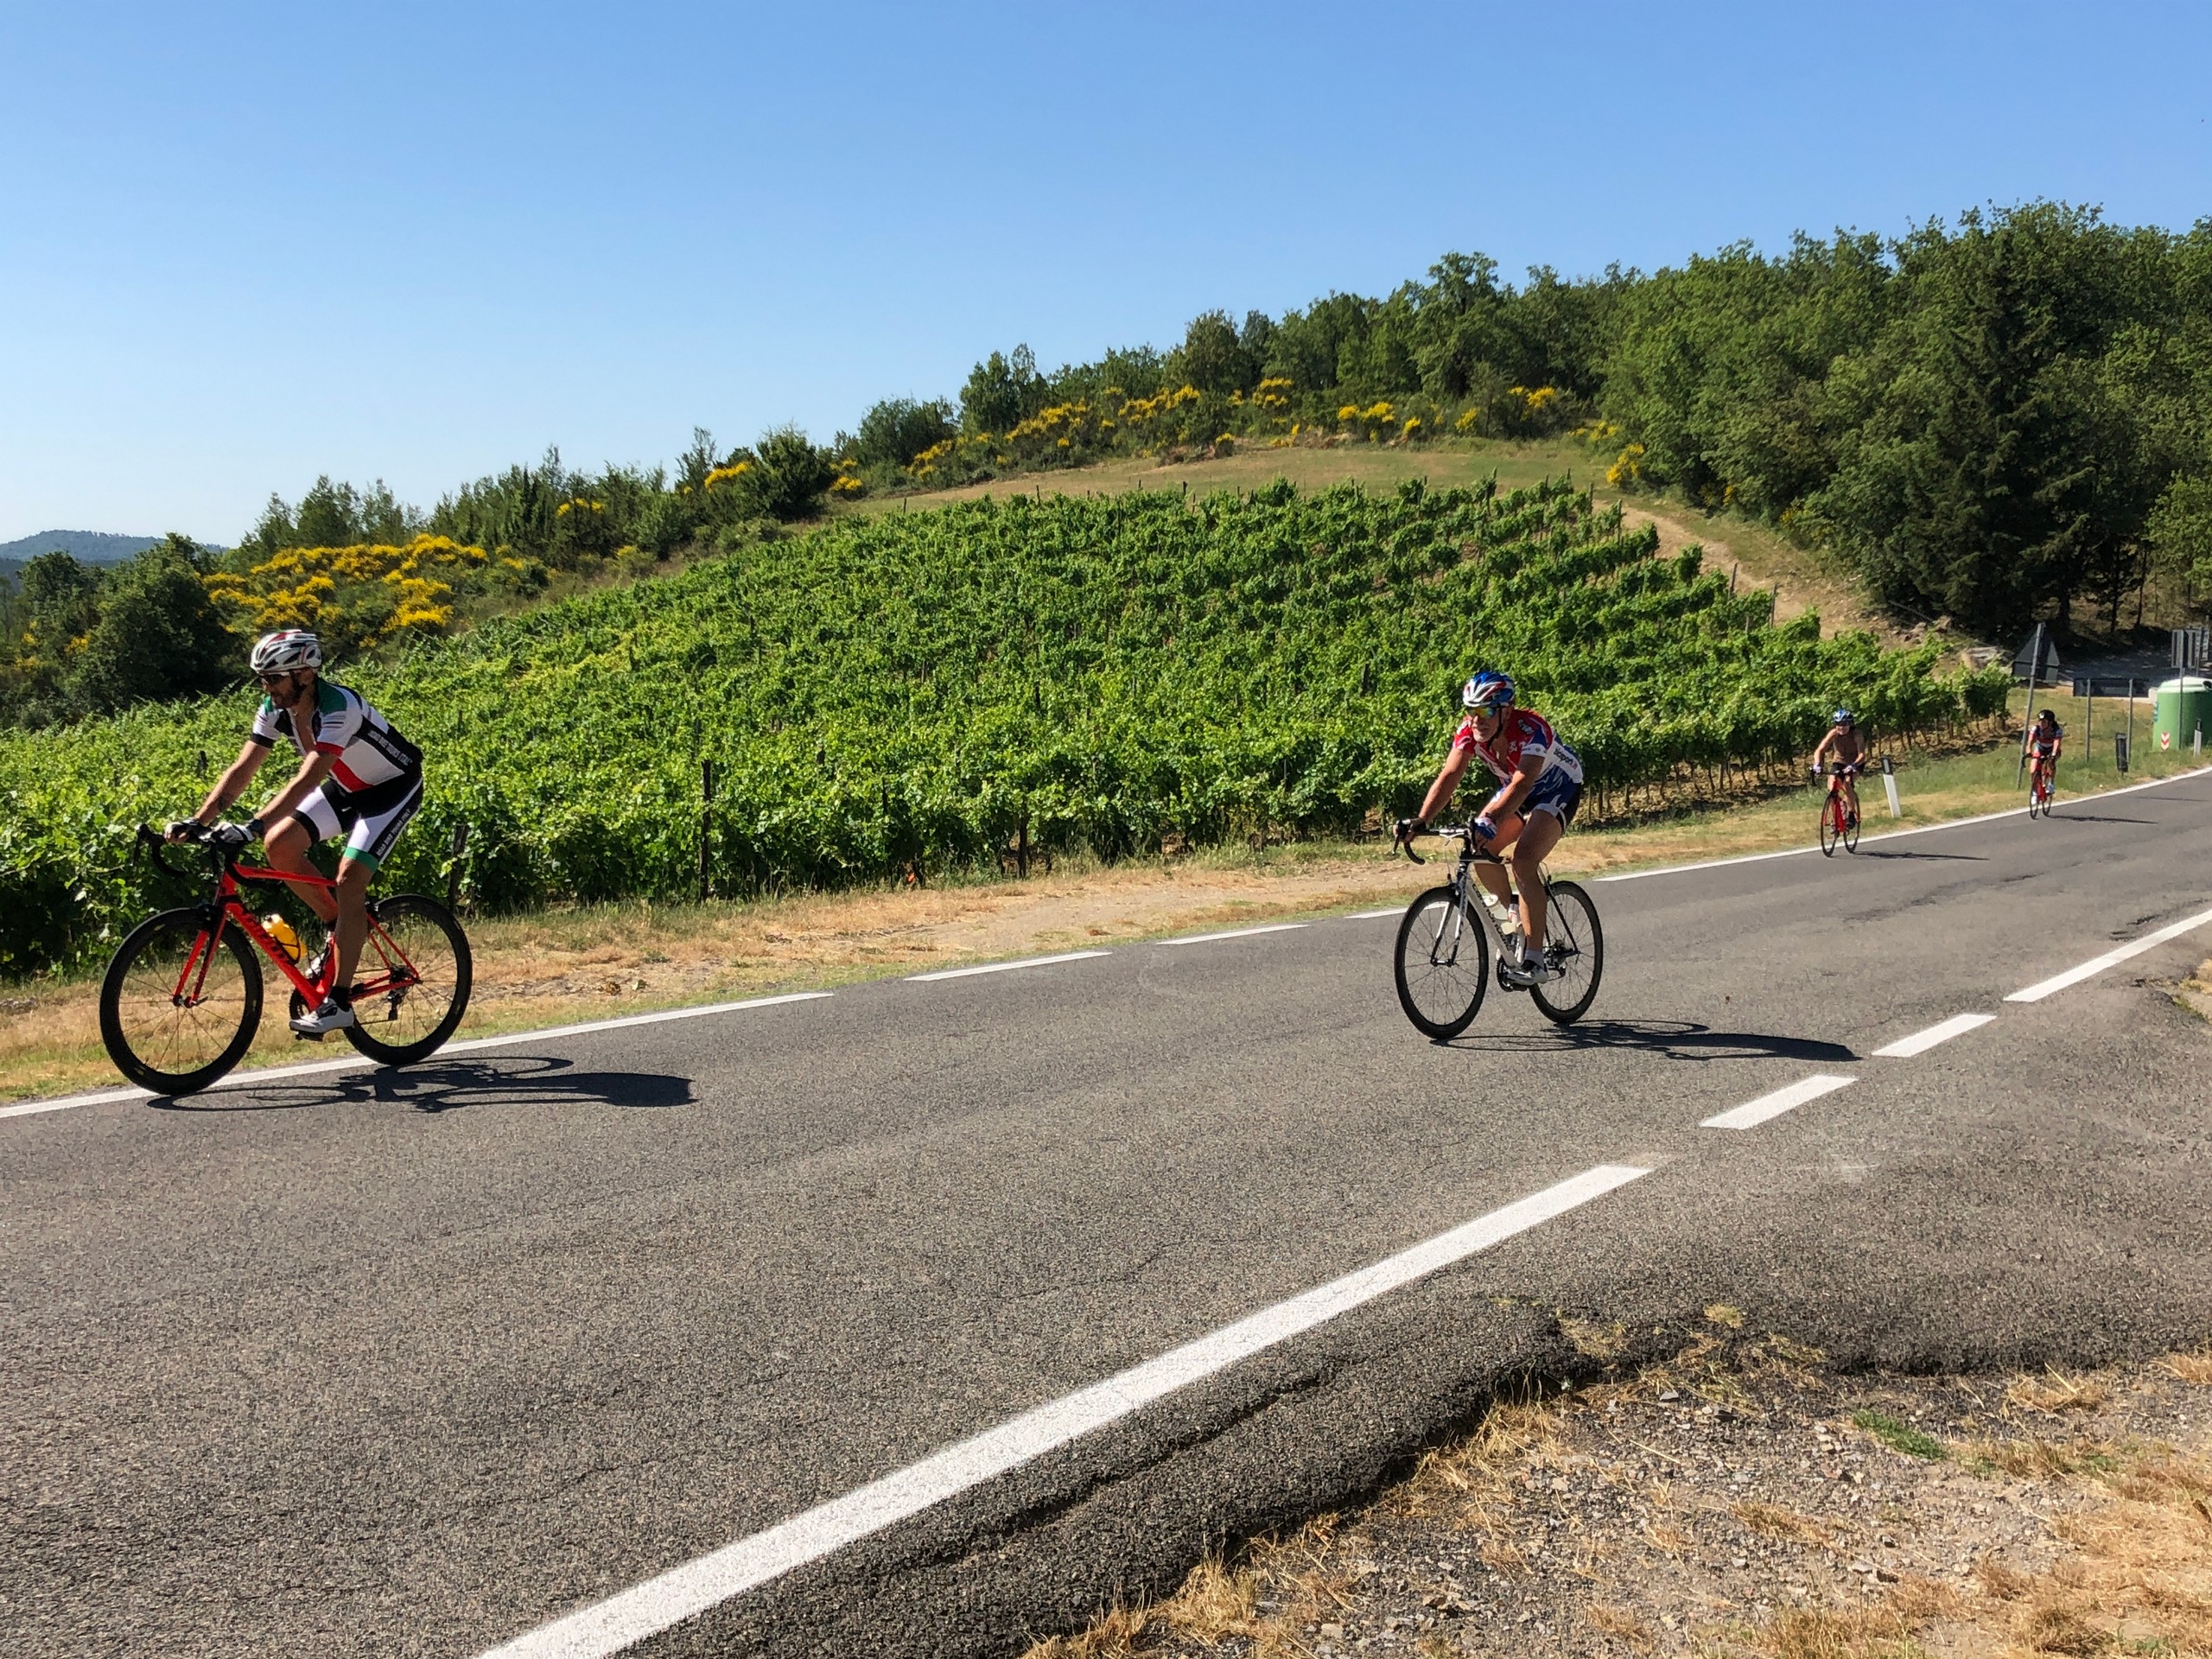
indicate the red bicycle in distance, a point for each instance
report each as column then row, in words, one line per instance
column 2043, row 778
column 1837, row 822
column 181, row 1000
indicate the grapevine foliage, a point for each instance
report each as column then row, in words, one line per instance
column 918, row 690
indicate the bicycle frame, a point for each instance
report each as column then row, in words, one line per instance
column 226, row 906
column 1462, row 897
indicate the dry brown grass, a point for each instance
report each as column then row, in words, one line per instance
column 1783, row 1524
column 1215, row 1602
column 1834, row 1633
column 1472, row 1477
column 1622, row 1624
column 2189, row 1367
column 2054, row 1392
column 2031, row 1458
column 1593, row 1340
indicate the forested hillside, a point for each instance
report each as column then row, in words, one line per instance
column 1993, row 421
column 922, row 692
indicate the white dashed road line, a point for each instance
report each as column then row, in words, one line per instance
column 683, row 1593
column 1237, row 934
column 1374, row 915
column 2112, row 958
column 1005, row 967
column 1920, row 1041
column 1774, row 1105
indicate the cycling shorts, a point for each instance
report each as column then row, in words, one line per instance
column 1556, row 792
column 369, row 820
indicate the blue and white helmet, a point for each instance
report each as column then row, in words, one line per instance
column 1488, row 689
column 1841, row 717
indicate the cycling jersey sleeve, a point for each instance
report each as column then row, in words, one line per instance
column 339, row 717
column 265, row 730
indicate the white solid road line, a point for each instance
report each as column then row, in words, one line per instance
column 1898, row 835
column 1920, row 1041
column 2096, row 965
column 1236, row 933
column 659, row 1602
column 1781, row 1101
column 356, row 1063
column 1005, row 967
column 24, row 1109
column 1372, row 915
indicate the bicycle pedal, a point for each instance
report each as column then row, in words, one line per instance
column 309, row 1036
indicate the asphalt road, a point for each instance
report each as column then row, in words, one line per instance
column 377, row 1363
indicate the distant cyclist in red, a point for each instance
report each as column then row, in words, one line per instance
column 1540, row 783
column 2044, row 740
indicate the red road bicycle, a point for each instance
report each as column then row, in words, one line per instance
column 181, row 1000
column 1837, row 822
column 2043, row 780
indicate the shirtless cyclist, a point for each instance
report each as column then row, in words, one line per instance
column 1847, row 748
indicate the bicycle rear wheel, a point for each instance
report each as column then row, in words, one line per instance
column 180, row 1004
column 418, row 970
column 1850, row 832
column 1575, row 945
column 1443, row 963
column 1831, row 825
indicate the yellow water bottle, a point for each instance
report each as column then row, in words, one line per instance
column 281, row 931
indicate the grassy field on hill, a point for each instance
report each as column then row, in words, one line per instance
column 926, row 691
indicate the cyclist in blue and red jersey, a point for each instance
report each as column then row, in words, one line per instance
column 358, row 782
column 1539, row 784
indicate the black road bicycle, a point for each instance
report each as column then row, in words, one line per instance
column 1448, row 936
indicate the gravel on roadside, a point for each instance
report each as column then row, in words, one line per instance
column 1744, row 1498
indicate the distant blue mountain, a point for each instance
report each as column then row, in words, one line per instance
column 92, row 546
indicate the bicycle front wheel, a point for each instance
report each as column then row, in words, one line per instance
column 1831, row 825
column 412, row 981
column 1851, row 834
column 1575, row 945
column 1443, row 965
column 180, row 1003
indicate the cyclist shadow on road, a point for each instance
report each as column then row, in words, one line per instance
column 1891, row 852
column 445, row 1085
column 1674, row 1039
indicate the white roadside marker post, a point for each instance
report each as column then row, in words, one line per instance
column 1889, row 784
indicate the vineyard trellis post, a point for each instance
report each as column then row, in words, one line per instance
column 706, row 820
column 454, row 851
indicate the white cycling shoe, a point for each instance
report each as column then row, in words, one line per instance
column 1529, row 970
column 333, row 1015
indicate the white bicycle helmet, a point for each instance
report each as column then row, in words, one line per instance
column 286, row 649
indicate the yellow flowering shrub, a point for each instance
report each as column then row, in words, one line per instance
column 1377, row 421
column 361, row 596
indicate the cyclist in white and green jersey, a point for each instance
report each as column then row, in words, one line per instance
column 358, row 782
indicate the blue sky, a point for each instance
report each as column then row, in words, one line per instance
column 243, row 246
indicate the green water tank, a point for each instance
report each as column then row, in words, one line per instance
column 2180, row 707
